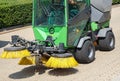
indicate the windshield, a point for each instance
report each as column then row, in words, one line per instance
column 50, row 12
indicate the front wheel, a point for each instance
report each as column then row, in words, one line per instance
column 86, row 54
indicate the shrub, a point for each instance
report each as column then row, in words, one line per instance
column 116, row 1
column 15, row 15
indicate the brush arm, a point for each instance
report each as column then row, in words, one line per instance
column 19, row 41
column 37, row 46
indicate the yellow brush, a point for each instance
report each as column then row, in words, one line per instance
column 31, row 60
column 27, row 60
column 44, row 60
column 61, row 61
column 14, row 52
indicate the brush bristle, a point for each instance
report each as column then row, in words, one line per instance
column 27, row 60
column 55, row 62
column 31, row 60
column 15, row 54
column 44, row 60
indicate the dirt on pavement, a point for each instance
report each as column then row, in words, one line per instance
column 106, row 66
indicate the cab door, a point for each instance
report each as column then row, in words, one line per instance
column 79, row 15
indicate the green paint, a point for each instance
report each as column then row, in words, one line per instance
column 88, row 2
column 94, row 26
column 66, row 12
column 60, row 34
column 105, row 24
column 33, row 13
column 42, row 31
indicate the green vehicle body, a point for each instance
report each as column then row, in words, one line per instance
column 65, row 33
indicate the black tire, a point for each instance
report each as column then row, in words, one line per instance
column 86, row 54
column 107, row 43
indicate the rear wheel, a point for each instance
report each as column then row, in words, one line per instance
column 107, row 43
column 86, row 54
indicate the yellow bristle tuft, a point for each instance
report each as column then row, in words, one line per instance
column 15, row 54
column 44, row 60
column 27, row 60
column 55, row 62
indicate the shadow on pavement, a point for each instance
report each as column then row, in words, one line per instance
column 28, row 72
column 63, row 72
column 25, row 73
column 41, row 69
column 3, row 43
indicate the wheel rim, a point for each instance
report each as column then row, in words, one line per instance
column 111, row 42
column 90, row 51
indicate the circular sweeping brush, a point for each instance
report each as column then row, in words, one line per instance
column 30, row 60
column 15, row 52
column 61, row 61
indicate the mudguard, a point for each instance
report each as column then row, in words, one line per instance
column 82, row 40
column 103, row 32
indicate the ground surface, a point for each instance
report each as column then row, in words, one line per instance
column 106, row 66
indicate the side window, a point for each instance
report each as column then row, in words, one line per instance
column 75, row 7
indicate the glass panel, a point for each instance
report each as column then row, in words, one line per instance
column 50, row 12
column 75, row 7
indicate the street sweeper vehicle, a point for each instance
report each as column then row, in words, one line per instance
column 66, row 33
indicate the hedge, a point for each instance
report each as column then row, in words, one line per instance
column 15, row 15
column 6, row 3
column 116, row 1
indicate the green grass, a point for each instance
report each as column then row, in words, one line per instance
column 7, row 3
